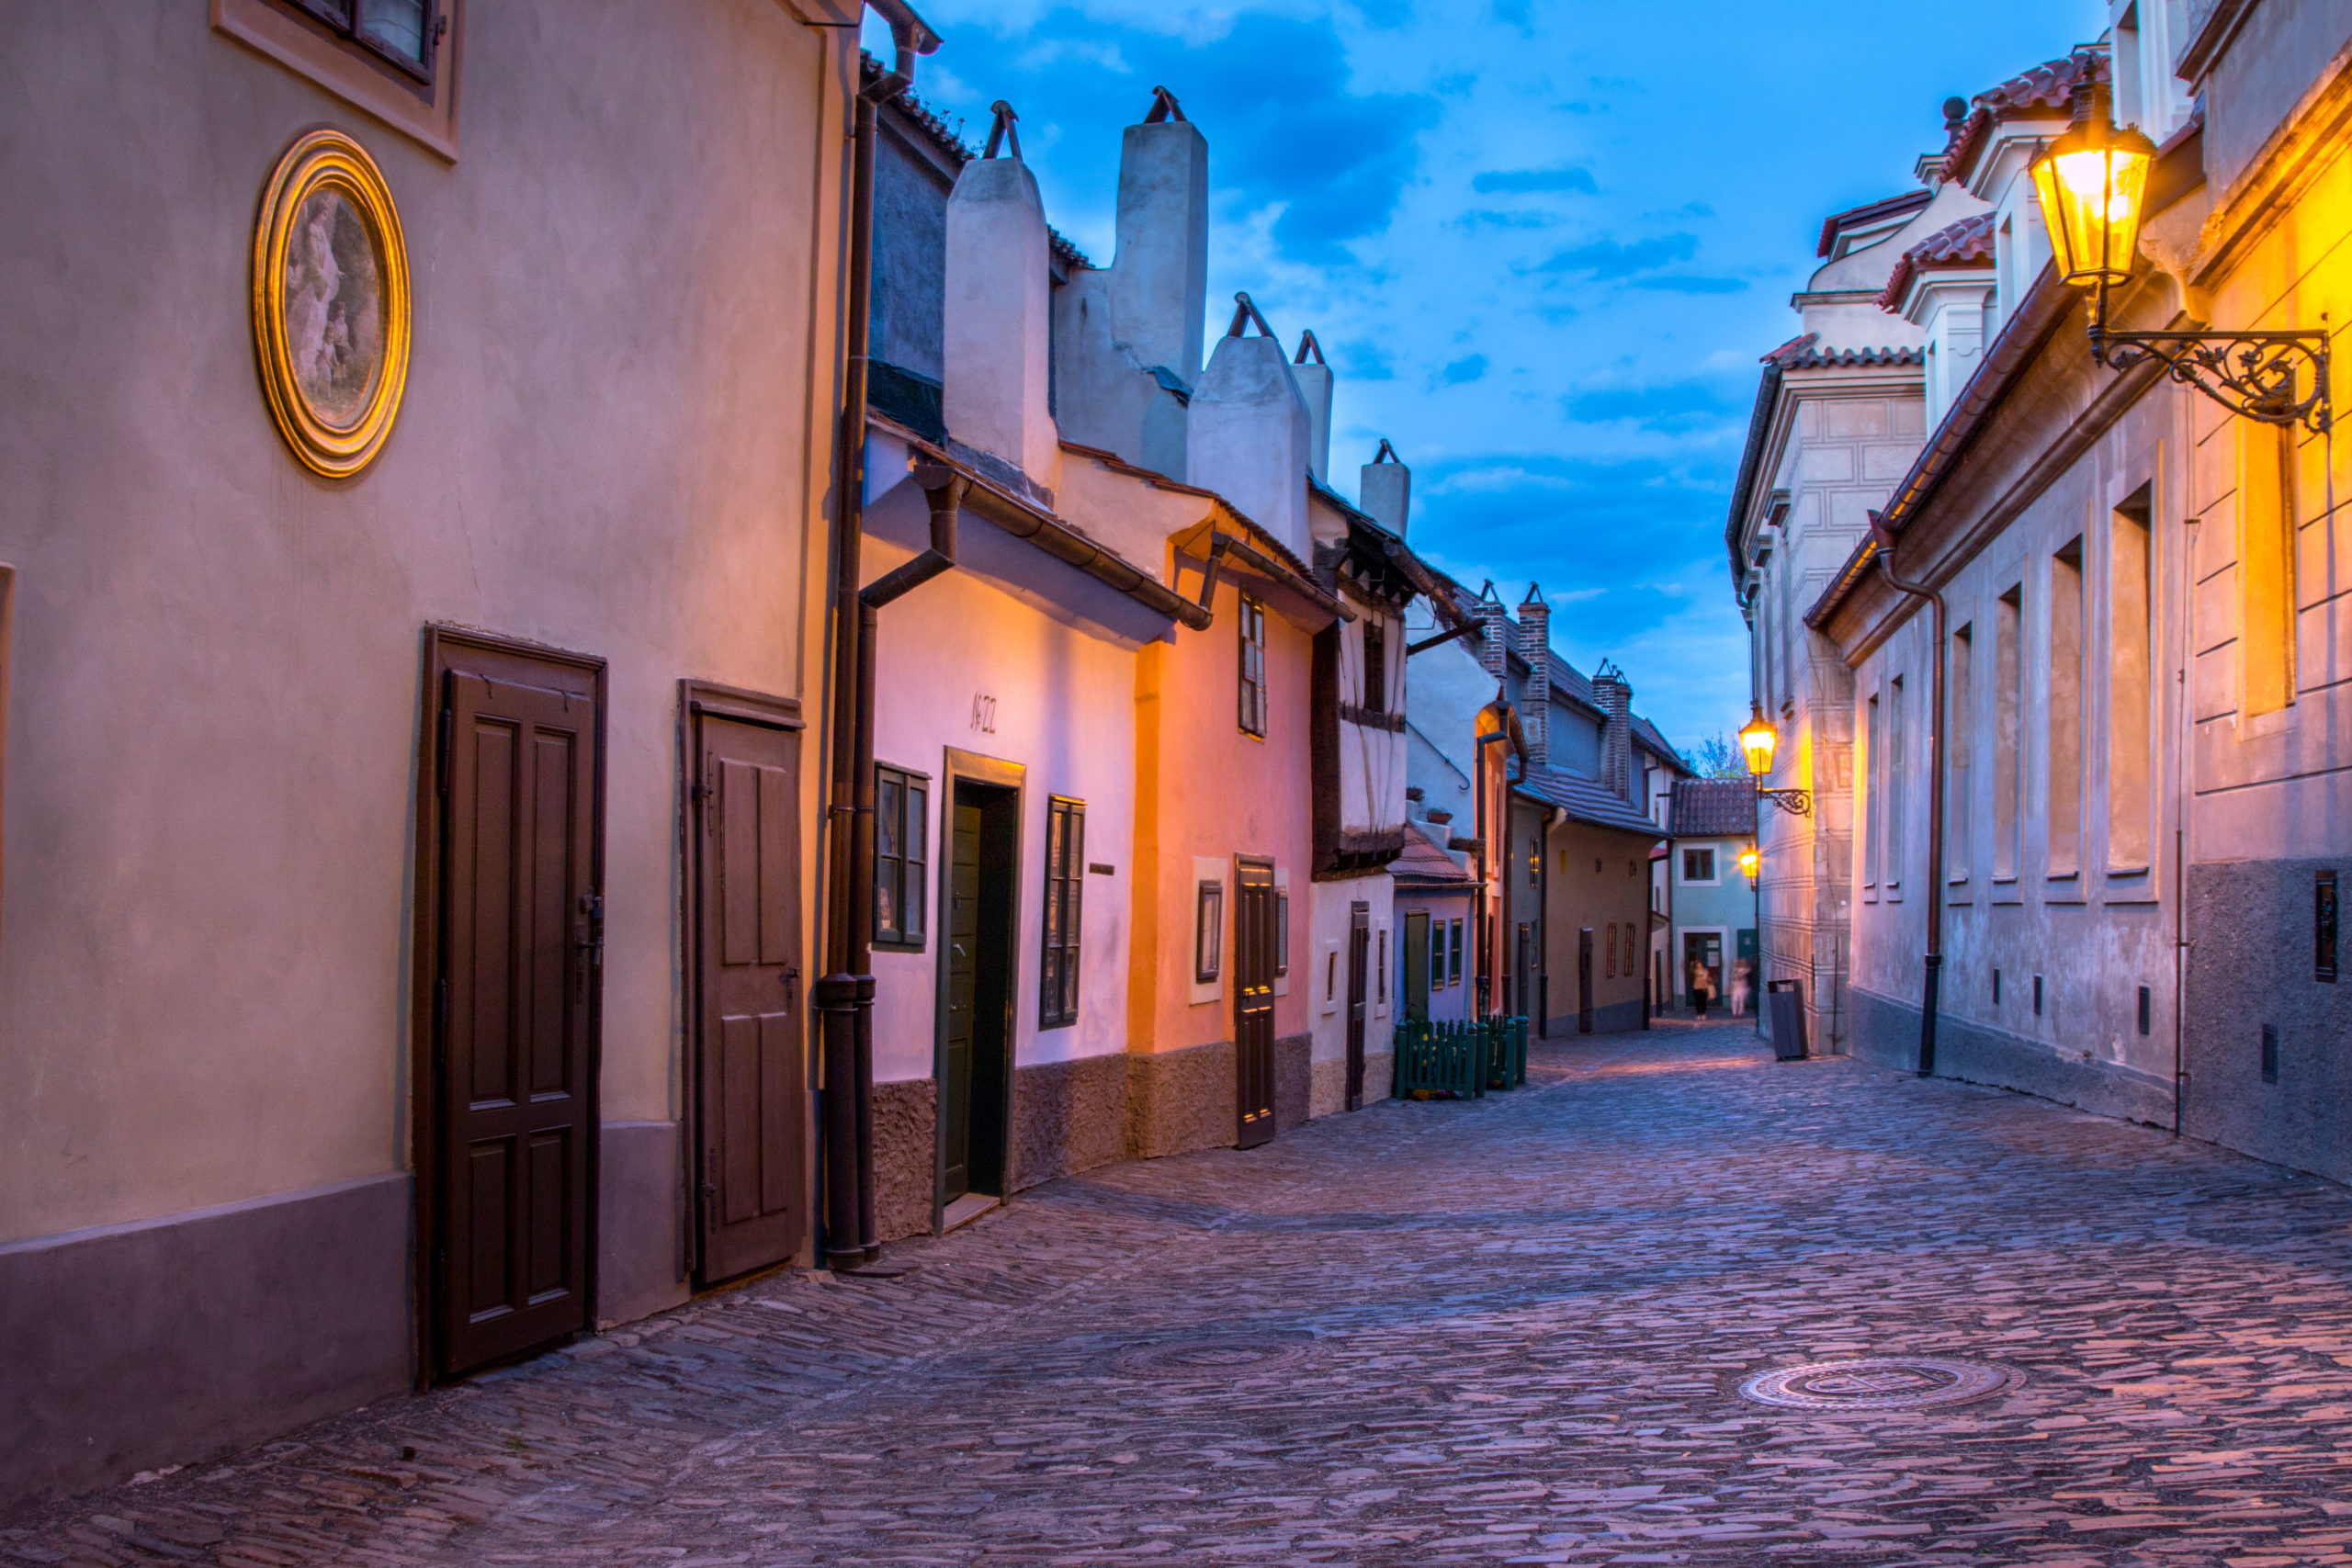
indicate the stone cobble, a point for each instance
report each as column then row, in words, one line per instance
column 1508, row 1331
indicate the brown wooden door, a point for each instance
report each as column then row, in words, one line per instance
column 750, row 1097
column 1253, row 1002
column 521, row 922
column 1359, row 960
column 1584, row 980
column 956, row 1043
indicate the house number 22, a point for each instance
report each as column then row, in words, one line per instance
column 983, row 715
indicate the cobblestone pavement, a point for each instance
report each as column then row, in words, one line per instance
column 1508, row 1331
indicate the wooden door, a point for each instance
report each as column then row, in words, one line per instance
column 963, row 992
column 1526, row 966
column 1584, row 981
column 1417, row 965
column 1253, row 1002
column 514, row 1002
column 978, row 964
column 1359, row 958
column 750, row 1071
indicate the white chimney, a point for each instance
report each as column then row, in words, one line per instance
column 1249, row 440
column 1160, row 285
column 998, row 312
column 1314, row 385
column 1384, row 490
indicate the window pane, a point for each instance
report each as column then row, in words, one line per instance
column 335, row 11
column 885, row 816
column 912, row 889
column 886, row 901
column 397, row 25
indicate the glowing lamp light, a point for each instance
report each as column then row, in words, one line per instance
column 1749, row 861
column 2091, row 182
column 1756, row 741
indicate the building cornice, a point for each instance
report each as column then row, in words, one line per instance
column 2306, row 144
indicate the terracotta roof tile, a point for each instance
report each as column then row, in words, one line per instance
column 2047, row 89
column 1425, row 863
column 1713, row 809
column 1803, row 354
column 1968, row 242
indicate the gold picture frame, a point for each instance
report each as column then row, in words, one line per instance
column 331, row 303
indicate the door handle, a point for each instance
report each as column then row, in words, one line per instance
column 791, row 984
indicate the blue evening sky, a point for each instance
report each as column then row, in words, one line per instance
column 1543, row 243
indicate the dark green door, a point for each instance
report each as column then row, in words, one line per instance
column 1417, row 965
column 963, row 984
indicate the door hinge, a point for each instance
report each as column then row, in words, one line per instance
column 448, row 740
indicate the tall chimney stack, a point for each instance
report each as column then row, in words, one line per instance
column 1385, row 489
column 1614, row 696
column 1159, row 285
column 996, row 362
column 1535, row 702
column 1494, row 633
column 1315, row 388
column 1249, row 438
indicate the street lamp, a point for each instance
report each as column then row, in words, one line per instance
column 2093, row 185
column 1750, row 862
column 1756, row 741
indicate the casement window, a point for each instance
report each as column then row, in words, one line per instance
column 1698, row 865
column 1453, row 961
column 2129, row 689
column 901, row 856
column 1065, row 895
column 1208, row 933
column 1534, row 862
column 2065, row 799
column 1253, row 668
column 400, row 32
column 1381, row 988
column 1609, row 953
column 1629, row 949
column 2008, row 729
column 1281, row 932
column 1437, row 955
column 1375, row 669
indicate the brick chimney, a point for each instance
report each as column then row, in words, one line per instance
column 998, row 314
column 1385, row 489
column 1494, row 628
column 1248, row 437
column 1314, row 378
column 1535, row 702
column 1614, row 696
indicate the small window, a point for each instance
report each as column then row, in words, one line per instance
column 901, row 821
column 1253, row 668
column 1281, row 932
column 1065, row 890
column 1453, row 963
column 1375, row 669
column 1609, row 953
column 400, row 32
column 1331, row 977
column 1208, row 934
column 1629, row 949
column 1437, row 955
column 1534, row 860
column 1698, row 865
column 1382, row 988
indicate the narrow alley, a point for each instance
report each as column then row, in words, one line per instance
column 1507, row 1331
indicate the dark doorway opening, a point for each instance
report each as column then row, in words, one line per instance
column 1254, row 939
column 1584, row 980
column 1359, row 964
column 979, row 962
column 750, row 1179
column 510, row 914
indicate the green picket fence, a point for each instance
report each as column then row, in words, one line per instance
column 1460, row 1061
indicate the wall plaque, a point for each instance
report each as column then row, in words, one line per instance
column 331, row 303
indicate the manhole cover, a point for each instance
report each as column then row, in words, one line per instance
column 1219, row 1356
column 1885, row 1382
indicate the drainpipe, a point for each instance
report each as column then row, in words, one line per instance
column 844, row 996
column 1490, row 941
column 1934, row 957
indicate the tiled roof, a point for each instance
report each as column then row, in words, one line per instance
column 2047, row 89
column 1425, row 863
column 1968, row 242
column 1647, row 733
column 1713, row 809
column 1804, row 354
column 1910, row 201
column 951, row 146
column 1587, row 800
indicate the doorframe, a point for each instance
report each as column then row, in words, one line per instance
column 741, row 705
column 488, row 650
column 972, row 767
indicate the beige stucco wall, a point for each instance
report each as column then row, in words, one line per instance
column 625, row 299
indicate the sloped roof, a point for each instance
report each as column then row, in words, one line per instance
column 1869, row 212
column 1586, row 800
column 1647, row 733
column 1712, row 808
column 2046, row 89
column 1967, row 244
column 1424, row 862
column 1806, row 354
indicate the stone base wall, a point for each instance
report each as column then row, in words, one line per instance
column 176, row 1341
column 1613, row 1018
column 906, row 1156
column 1068, row 1117
column 1885, row 1032
column 1379, row 1074
column 1180, row 1100
column 1327, row 1092
column 1294, row 1068
column 2250, row 926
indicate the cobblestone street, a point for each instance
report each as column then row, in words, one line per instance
column 1509, row 1331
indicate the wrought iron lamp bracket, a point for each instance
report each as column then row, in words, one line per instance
column 2257, row 374
column 1795, row 802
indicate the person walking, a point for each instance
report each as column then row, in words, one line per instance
column 1703, row 988
column 1740, row 983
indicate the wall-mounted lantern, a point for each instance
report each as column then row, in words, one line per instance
column 1750, row 863
column 2093, row 185
column 1758, row 741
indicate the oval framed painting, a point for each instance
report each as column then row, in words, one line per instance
column 331, row 303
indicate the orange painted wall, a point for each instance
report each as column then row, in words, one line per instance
column 1203, row 788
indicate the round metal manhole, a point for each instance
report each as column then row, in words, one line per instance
column 1211, row 1357
column 1880, row 1383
